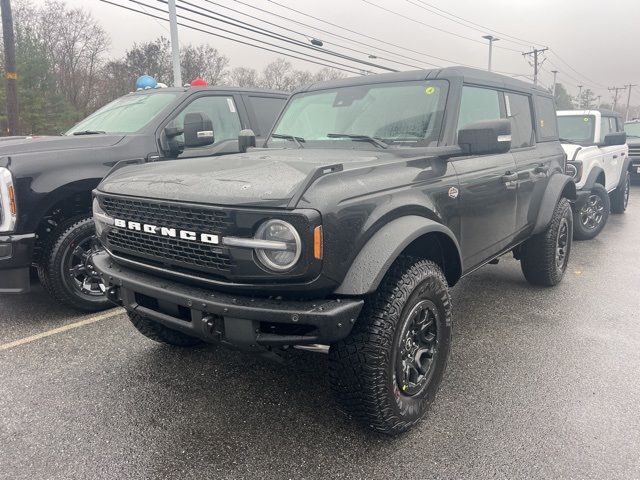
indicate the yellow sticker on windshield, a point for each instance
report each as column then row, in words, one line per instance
column 429, row 90
column 585, row 119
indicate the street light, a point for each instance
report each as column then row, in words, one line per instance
column 491, row 39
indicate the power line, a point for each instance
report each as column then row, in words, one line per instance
column 433, row 27
column 579, row 74
column 483, row 27
column 479, row 28
column 535, row 53
column 261, row 31
column 310, row 36
column 352, row 70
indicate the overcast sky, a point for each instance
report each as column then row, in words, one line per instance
column 597, row 38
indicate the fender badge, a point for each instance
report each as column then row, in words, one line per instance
column 453, row 192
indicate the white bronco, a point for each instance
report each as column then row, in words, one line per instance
column 598, row 161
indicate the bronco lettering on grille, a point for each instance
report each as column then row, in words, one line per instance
column 168, row 232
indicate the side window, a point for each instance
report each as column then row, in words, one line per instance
column 266, row 110
column 222, row 112
column 546, row 120
column 605, row 127
column 519, row 113
column 614, row 124
column 478, row 104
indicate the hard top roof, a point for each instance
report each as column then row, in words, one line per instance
column 212, row 88
column 466, row 74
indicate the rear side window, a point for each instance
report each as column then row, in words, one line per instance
column 546, row 121
column 478, row 104
column 266, row 110
column 519, row 113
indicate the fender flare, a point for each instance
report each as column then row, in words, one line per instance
column 381, row 250
column 626, row 167
column 557, row 186
column 591, row 179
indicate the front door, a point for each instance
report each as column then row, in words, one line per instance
column 487, row 185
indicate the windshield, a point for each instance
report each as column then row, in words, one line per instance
column 127, row 114
column 400, row 113
column 577, row 128
column 632, row 129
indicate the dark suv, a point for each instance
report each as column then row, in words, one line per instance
column 46, row 182
column 374, row 196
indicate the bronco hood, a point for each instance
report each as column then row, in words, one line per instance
column 269, row 177
column 15, row 146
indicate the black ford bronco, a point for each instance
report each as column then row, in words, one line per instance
column 46, row 182
column 373, row 196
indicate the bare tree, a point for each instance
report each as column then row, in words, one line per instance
column 244, row 77
column 203, row 61
column 277, row 75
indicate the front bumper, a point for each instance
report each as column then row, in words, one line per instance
column 15, row 262
column 237, row 320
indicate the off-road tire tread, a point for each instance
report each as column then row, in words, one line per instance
column 539, row 252
column 617, row 196
column 161, row 334
column 357, row 364
column 49, row 272
column 578, row 232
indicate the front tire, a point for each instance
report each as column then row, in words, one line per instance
column 590, row 218
column 545, row 256
column 620, row 196
column 161, row 334
column 387, row 371
column 66, row 271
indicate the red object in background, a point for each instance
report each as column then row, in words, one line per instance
column 199, row 82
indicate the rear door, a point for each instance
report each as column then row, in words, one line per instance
column 615, row 155
column 531, row 168
column 487, row 196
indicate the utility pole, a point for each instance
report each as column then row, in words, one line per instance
column 536, row 52
column 580, row 95
column 11, row 75
column 626, row 112
column 555, row 75
column 615, row 95
column 599, row 101
column 491, row 39
column 175, row 44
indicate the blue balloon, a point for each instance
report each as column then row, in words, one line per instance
column 145, row 82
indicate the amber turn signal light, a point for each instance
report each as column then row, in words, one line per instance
column 12, row 201
column 317, row 242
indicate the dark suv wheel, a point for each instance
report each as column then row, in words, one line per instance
column 387, row 372
column 620, row 196
column 66, row 270
column 545, row 256
column 590, row 218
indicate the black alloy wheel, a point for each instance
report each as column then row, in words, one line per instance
column 418, row 348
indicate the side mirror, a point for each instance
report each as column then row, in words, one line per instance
column 198, row 130
column 485, row 137
column 175, row 146
column 246, row 140
column 615, row 138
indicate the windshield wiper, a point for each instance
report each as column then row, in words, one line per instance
column 297, row 140
column 359, row 138
column 89, row 132
column 633, row 136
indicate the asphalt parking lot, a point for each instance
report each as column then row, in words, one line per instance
column 542, row 383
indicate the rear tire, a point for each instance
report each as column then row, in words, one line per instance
column 387, row 371
column 590, row 218
column 545, row 256
column 66, row 271
column 620, row 196
column 161, row 334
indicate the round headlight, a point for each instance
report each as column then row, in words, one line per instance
column 286, row 248
column 571, row 170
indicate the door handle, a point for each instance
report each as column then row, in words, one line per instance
column 509, row 177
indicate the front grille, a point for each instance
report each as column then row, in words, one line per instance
column 169, row 214
column 634, row 151
column 169, row 251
